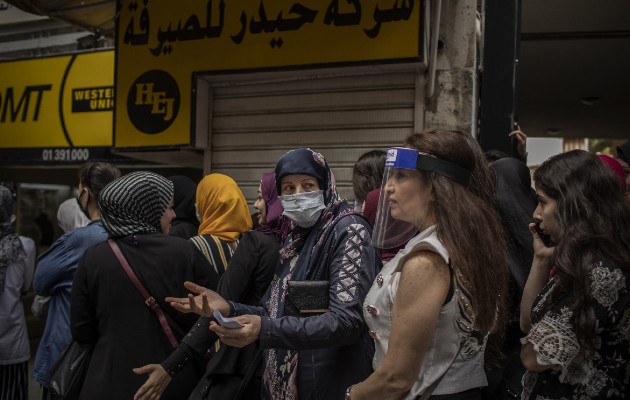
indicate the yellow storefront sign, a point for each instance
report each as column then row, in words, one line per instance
column 161, row 44
column 57, row 102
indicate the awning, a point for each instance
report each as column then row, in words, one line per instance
column 97, row 16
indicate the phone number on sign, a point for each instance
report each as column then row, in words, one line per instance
column 65, row 154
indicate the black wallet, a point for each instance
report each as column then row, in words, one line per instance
column 306, row 298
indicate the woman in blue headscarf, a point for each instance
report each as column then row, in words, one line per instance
column 317, row 356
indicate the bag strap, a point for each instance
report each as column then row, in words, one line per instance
column 148, row 299
column 248, row 375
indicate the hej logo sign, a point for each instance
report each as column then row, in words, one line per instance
column 153, row 101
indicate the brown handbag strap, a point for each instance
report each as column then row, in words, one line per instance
column 148, row 299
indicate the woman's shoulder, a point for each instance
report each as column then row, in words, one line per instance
column 257, row 238
column 90, row 234
column 27, row 243
column 350, row 219
column 424, row 259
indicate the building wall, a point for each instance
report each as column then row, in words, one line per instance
column 245, row 122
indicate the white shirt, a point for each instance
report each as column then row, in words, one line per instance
column 464, row 372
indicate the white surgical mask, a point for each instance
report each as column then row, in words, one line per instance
column 303, row 208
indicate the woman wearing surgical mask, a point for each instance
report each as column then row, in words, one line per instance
column 56, row 267
column 432, row 307
column 316, row 356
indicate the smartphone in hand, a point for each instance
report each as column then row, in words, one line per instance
column 546, row 239
column 226, row 322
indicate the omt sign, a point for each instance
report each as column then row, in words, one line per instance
column 60, row 106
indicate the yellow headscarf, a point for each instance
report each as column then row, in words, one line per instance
column 222, row 208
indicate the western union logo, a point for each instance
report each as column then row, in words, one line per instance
column 93, row 99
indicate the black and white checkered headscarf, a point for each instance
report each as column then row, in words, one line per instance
column 135, row 203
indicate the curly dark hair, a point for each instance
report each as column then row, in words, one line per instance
column 468, row 224
column 592, row 217
column 367, row 173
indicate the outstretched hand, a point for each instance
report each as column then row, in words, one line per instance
column 203, row 303
column 156, row 383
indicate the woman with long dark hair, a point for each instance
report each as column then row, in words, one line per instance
column 433, row 306
column 578, row 322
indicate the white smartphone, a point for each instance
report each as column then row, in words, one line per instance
column 226, row 322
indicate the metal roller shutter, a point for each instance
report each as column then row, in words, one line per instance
column 253, row 122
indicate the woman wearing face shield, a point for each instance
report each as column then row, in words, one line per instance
column 434, row 304
column 318, row 356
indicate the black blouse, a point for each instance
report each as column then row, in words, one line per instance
column 246, row 280
column 108, row 310
column 576, row 372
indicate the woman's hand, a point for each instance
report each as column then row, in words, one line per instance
column 204, row 303
column 239, row 337
column 542, row 253
column 156, row 383
column 521, row 141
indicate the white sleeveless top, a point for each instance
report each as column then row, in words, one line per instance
column 453, row 328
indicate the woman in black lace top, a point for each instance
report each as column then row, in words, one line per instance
column 578, row 320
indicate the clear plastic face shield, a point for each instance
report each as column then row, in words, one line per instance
column 388, row 231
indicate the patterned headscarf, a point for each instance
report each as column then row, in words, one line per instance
column 311, row 163
column 276, row 224
column 222, row 208
column 303, row 162
column 135, row 203
column 10, row 246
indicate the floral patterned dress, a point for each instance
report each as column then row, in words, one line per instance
column 603, row 373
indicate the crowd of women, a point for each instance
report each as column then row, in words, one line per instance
column 448, row 274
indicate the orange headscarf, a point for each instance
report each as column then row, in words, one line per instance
column 222, row 208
